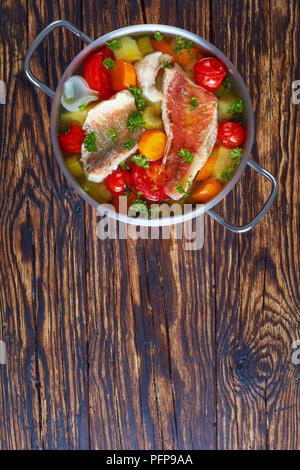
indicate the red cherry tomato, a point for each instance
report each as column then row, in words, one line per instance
column 231, row 134
column 107, row 52
column 71, row 141
column 131, row 197
column 149, row 181
column 209, row 73
column 97, row 76
column 117, row 181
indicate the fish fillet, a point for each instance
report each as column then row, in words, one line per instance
column 193, row 130
column 109, row 115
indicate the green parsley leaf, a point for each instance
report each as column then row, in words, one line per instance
column 194, row 103
column 82, row 107
column 153, row 212
column 236, row 155
column 181, row 190
column 182, row 44
column 129, row 144
column 113, row 135
column 90, row 142
column 203, row 111
column 186, row 155
column 109, row 63
column 114, row 45
column 140, row 161
column 227, row 174
column 227, row 83
column 166, row 64
column 124, row 166
column 236, row 106
column 158, row 36
column 135, row 120
column 138, row 96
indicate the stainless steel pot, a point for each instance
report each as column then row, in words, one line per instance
column 136, row 31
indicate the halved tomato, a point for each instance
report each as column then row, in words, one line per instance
column 150, row 181
column 97, row 76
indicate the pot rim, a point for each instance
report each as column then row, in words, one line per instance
column 172, row 30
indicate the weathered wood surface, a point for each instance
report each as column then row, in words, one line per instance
column 136, row 344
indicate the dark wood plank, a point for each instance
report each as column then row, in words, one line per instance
column 257, row 390
column 281, row 297
column 43, row 303
column 151, row 363
column 133, row 344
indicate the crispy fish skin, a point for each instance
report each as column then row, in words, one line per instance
column 194, row 130
column 109, row 115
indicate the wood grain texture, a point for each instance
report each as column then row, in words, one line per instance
column 141, row 344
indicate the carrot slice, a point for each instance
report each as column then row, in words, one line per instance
column 206, row 190
column 152, row 144
column 122, row 75
column 162, row 46
column 207, row 169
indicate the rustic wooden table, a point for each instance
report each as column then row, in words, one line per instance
column 141, row 344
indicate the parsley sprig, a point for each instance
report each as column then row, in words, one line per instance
column 166, row 64
column 194, row 103
column 186, row 155
column 124, row 166
column 109, row 63
column 82, row 107
column 236, row 107
column 138, row 96
column 135, row 120
column 90, row 142
column 140, row 161
column 112, row 134
column 182, row 44
column 114, row 45
column 236, row 156
column 129, row 144
column 180, row 188
column 158, row 36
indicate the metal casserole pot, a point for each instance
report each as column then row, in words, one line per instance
column 137, row 30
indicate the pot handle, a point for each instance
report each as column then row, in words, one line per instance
column 245, row 228
column 38, row 40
